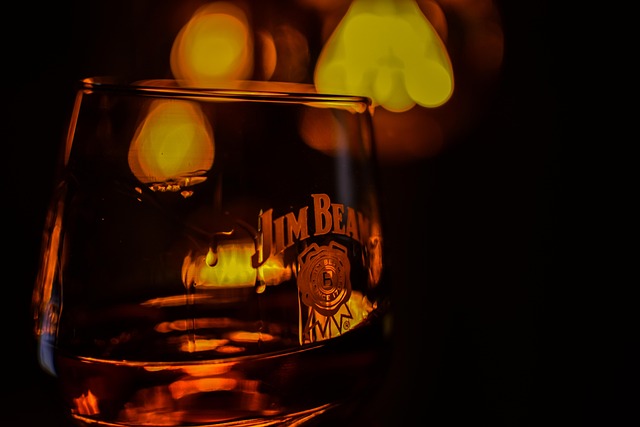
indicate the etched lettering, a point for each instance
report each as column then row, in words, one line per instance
column 322, row 216
column 337, row 210
column 277, row 234
column 297, row 229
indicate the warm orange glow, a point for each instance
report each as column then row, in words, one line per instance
column 173, row 147
column 285, row 53
column 386, row 50
column 175, row 300
column 86, row 404
column 205, row 344
column 269, row 54
column 321, row 130
column 197, row 323
column 230, row 266
column 193, row 370
column 229, row 349
column 46, row 310
column 215, row 46
column 412, row 134
column 182, row 388
column 227, row 345
column 244, row 336
column 359, row 306
column 374, row 248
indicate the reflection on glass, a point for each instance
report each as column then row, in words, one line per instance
column 173, row 147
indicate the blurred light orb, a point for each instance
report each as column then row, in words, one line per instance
column 215, row 45
column 403, row 54
column 174, row 143
column 388, row 51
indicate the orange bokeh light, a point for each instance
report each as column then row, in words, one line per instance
column 215, row 46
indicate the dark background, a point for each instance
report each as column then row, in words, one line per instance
column 491, row 245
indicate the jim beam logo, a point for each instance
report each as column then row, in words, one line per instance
column 324, row 284
column 324, row 287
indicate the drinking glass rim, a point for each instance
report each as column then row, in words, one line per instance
column 236, row 90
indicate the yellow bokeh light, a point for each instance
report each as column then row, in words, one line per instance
column 386, row 50
column 232, row 268
column 173, row 143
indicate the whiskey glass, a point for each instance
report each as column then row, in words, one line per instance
column 213, row 257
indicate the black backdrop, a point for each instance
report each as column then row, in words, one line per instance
column 481, row 278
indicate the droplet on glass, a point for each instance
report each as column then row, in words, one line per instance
column 211, row 258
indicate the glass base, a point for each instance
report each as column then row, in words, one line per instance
column 308, row 418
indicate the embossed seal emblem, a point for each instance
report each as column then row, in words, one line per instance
column 323, row 280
